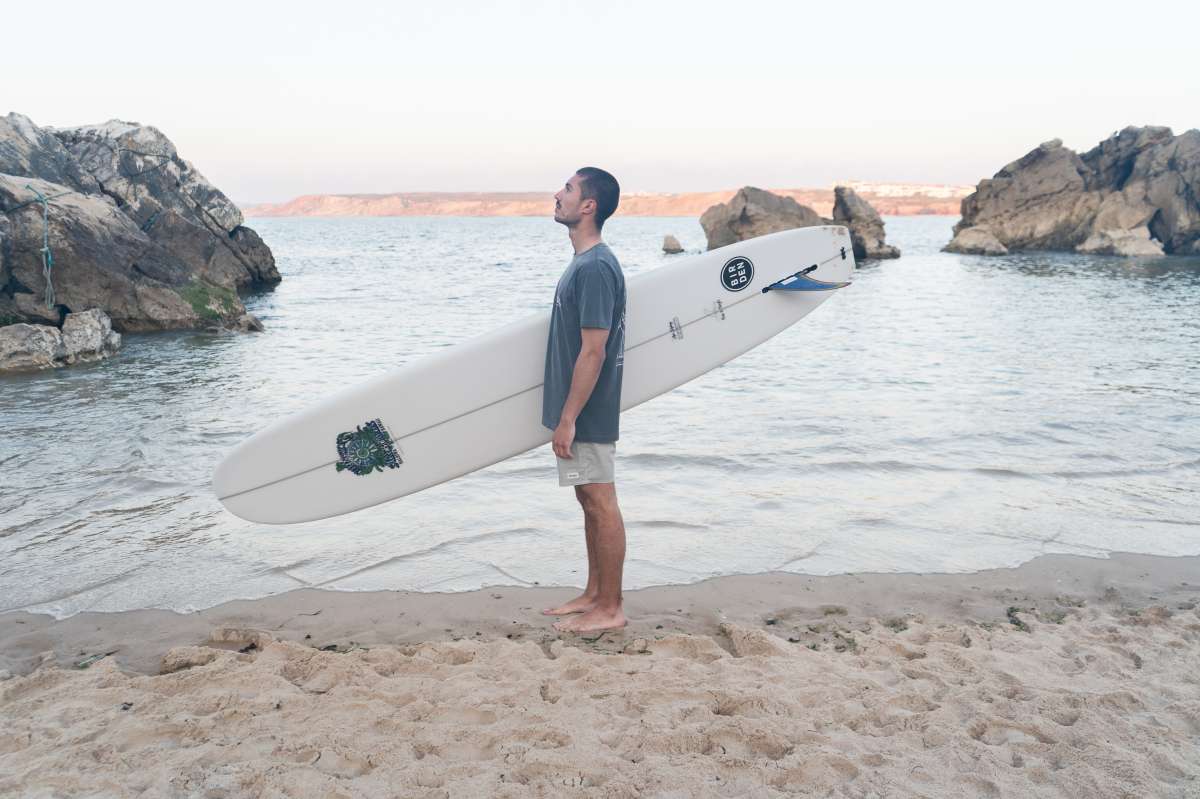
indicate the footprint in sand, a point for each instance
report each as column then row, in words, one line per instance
column 701, row 649
column 455, row 751
column 461, row 715
column 739, row 744
column 997, row 733
column 977, row 786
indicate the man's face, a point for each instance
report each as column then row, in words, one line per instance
column 569, row 203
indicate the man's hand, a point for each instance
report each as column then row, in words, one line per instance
column 564, row 434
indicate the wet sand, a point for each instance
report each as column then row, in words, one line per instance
column 1063, row 677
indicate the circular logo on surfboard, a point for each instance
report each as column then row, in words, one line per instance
column 737, row 273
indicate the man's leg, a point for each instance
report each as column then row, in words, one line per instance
column 590, row 533
column 603, row 515
column 587, row 599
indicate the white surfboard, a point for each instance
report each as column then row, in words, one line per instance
column 479, row 402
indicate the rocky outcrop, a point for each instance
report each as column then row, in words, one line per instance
column 976, row 241
column 753, row 212
column 85, row 336
column 866, row 227
column 1136, row 193
column 671, row 245
column 134, row 230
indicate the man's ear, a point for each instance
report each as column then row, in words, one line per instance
column 585, row 208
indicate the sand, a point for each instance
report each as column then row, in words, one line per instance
column 1066, row 676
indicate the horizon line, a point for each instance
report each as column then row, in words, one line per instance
column 827, row 187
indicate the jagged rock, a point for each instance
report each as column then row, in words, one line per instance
column 85, row 336
column 1136, row 193
column 31, row 152
column 134, row 230
column 24, row 346
column 1121, row 242
column 753, row 212
column 101, row 259
column 88, row 335
column 247, row 323
column 671, row 245
column 171, row 201
column 976, row 241
column 866, row 227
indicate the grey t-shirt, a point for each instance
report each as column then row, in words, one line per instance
column 590, row 293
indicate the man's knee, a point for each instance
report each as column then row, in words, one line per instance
column 596, row 497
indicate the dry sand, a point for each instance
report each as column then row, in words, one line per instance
column 1072, row 677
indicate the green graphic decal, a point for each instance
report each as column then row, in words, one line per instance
column 369, row 448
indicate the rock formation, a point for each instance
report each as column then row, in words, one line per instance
column 134, row 230
column 671, row 245
column 866, row 228
column 85, row 336
column 753, row 212
column 1136, row 193
column 976, row 241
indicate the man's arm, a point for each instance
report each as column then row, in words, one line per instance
column 583, row 380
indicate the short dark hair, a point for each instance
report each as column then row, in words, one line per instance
column 602, row 187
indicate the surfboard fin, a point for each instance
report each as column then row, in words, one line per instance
column 802, row 282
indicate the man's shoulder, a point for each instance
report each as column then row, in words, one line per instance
column 600, row 254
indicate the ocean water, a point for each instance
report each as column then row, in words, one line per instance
column 945, row 413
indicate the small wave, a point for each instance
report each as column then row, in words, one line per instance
column 872, row 521
column 1133, row 472
column 508, row 575
column 663, row 524
column 996, row 471
column 656, row 459
column 420, row 553
column 280, row 570
column 56, row 612
column 797, row 558
column 1152, row 520
column 906, row 466
column 157, row 506
column 523, row 471
column 871, row 466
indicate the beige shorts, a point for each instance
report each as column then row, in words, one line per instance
column 590, row 462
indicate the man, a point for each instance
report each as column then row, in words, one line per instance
column 581, row 396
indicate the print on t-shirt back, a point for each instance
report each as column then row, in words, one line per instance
column 621, row 341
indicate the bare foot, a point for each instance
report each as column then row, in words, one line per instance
column 579, row 604
column 593, row 621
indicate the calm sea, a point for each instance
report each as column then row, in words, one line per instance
column 945, row 413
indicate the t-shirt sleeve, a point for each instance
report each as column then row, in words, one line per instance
column 596, row 293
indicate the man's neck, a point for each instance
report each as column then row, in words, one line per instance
column 583, row 240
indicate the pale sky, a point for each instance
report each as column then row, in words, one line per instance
column 274, row 100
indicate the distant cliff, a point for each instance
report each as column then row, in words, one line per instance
column 889, row 199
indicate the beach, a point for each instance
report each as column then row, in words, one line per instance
column 279, row 315
column 1065, row 676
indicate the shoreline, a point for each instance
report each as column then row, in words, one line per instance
column 376, row 618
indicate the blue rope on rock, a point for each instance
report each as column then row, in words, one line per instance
column 47, row 255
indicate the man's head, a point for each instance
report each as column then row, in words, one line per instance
column 589, row 197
